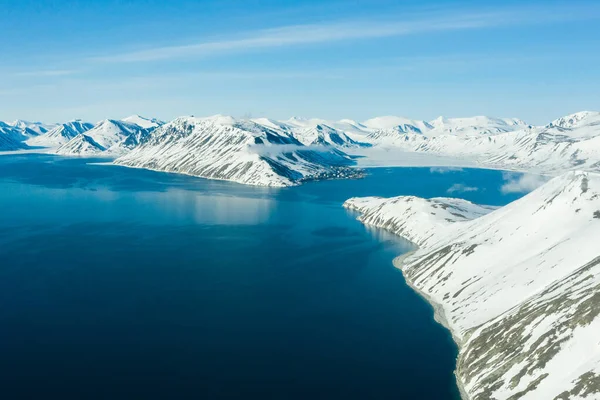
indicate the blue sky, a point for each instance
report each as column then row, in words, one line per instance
column 92, row 59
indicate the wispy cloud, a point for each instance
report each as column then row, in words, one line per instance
column 461, row 188
column 522, row 183
column 295, row 35
column 44, row 73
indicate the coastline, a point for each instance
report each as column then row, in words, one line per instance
column 438, row 315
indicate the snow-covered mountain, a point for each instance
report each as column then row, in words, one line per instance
column 32, row 128
column 243, row 151
column 577, row 120
column 80, row 145
column 507, row 143
column 518, row 287
column 10, row 134
column 60, row 134
column 146, row 123
column 416, row 219
column 400, row 123
column 117, row 137
column 312, row 132
column 475, row 125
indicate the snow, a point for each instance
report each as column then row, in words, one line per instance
column 146, row 123
column 577, row 120
column 391, row 122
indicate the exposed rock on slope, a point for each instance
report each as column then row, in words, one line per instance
column 519, row 287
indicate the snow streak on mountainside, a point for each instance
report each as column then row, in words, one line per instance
column 60, row 134
column 519, row 287
column 242, row 151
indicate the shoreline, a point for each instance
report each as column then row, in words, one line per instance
column 439, row 316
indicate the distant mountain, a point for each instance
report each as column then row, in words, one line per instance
column 60, row 134
column 117, row 137
column 9, row 132
column 572, row 142
column 146, row 123
column 476, row 125
column 400, row 123
column 312, row 132
column 577, row 120
column 243, row 151
column 80, row 145
column 519, row 287
column 32, row 128
column 567, row 143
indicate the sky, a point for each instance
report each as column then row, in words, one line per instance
column 357, row 59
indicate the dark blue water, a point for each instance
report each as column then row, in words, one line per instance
column 131, row 284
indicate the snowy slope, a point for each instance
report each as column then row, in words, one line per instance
column 243, row 151
column 392, row 122
column 60, row 134
column 418, row 220
column 519, row 288
column 8, row 143
column 80, row 145
column 146, row 123
column 577, row 120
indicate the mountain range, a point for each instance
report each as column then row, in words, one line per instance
column 568, row 143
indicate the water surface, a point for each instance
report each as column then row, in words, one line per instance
column 123, row 283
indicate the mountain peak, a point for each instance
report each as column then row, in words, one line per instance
column 146, row 123
column 577, row 120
